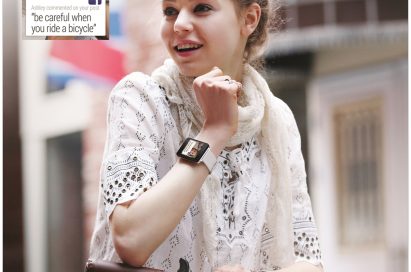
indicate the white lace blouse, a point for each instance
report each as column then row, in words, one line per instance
column 141, row 144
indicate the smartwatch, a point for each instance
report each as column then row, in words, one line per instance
column 197, row 151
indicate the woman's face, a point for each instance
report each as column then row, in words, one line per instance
column 201, row 34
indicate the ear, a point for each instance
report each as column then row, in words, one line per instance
column 251, row 17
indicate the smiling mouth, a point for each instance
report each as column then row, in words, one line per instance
column 187, row 47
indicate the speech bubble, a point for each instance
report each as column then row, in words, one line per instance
column 65, row 18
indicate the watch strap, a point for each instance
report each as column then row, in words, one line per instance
column 209, row 159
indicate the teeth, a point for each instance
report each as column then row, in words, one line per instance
column 188, row 46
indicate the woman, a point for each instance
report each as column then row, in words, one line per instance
column 239, row 203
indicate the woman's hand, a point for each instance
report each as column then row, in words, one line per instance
column 231, row 268
column 216, row 94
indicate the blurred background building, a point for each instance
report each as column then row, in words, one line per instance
column 341, row 65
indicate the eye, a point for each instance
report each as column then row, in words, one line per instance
column 202, row 8
column 169, row 11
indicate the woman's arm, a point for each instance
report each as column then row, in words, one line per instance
column 141, row 225
column 302, row 267
column 296, row 267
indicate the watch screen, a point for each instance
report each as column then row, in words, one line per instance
column 192, row 150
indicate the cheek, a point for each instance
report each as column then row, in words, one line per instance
column 228, row 34
column 226, row 44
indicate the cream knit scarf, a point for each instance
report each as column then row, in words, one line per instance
column 259, row 111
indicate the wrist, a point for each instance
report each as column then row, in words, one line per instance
column 216, row 139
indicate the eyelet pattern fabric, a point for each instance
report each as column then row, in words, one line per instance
column 143, row 137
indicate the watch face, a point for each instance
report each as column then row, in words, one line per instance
column 192, row 150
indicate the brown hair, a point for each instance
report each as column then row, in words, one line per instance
column 258, row 38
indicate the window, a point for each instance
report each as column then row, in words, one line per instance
column 311, row 14
column 392, row 10
column 320, row 13
column 351, row 11
column 358, row 130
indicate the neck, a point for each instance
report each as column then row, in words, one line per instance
column 236, row 70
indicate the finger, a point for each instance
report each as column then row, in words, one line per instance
column 233, row 85
column 228, row 80
column 228, row 85
column 222, row 78
column 239, row 88
column 215, row 72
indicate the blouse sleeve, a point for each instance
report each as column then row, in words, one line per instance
column 306, row 243
column 136, row 131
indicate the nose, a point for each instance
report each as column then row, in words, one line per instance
column 183, row 23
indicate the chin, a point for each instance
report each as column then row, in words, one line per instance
column 191, row 71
